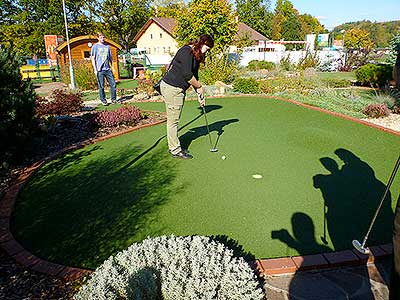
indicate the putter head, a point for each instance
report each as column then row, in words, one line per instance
column 213, row 150
column 359, row 247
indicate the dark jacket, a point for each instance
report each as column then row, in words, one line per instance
column 183, row 67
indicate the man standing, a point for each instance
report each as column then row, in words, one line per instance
column 103, row 65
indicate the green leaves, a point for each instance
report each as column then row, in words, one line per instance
column 214, row 17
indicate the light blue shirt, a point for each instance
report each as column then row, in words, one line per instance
column 102, row 56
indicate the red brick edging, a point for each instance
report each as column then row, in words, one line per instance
column 274, row 266
column 7, row 241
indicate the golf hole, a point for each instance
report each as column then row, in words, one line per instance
column 257, row 176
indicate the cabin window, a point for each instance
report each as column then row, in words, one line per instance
column 86, row 54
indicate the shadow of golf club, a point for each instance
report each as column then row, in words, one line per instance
column 196, row 132
column 208, row 108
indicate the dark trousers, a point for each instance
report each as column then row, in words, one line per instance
column 394, row 290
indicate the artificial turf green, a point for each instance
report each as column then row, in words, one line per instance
column 89, row 204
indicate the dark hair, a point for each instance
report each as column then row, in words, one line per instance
column 204, row 39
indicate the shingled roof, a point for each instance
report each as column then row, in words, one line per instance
column 168, row 24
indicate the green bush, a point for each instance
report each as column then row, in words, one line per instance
column 246, row 86
column 371, row 74
column 336, row 82
column 260, row 65
column 172, row 268
column 218, row 68
column 83, row 74
column 17, row 101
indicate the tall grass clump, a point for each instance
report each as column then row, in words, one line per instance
column 171, row 268
column 83, row 74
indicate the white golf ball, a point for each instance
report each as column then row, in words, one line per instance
column 223, row 157
column 257, row 176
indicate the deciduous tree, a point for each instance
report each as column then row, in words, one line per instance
column 256, row 14
column 214, row 17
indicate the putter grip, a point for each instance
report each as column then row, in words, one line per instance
column 201, row 96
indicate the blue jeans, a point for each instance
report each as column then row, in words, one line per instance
column 111, row 82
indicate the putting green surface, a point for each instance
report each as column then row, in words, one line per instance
column 89, row 204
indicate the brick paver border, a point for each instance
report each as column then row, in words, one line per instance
column 266, row 267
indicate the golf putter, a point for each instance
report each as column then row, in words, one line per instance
column 212, row 149
column 356, row 244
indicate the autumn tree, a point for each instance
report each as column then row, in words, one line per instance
column 357, row 39
column 310, row 24
column 214, row 17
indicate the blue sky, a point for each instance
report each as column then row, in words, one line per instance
column 336, row 12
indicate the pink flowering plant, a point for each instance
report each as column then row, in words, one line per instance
column 126, row 115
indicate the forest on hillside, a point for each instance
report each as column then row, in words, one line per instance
column 380, row 33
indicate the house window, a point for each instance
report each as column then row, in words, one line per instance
column 86, row 55
column 160, row 35
column 151, row 36
column 164, row 50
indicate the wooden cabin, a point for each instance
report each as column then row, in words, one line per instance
column 80, row 50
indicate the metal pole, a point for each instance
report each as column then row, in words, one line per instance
column 71, row 69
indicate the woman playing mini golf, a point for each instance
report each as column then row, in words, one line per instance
column 183, row 73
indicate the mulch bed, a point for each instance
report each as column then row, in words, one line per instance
column 18, row 282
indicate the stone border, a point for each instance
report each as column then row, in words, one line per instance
column 266, row 267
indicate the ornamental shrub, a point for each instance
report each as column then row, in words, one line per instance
column 219, row 67
column 171, row 268
column 260, row 65
column 371, row 74
column 83, row 75
column 246, row 86
column 59, row 103
column 376, row 110
column 17, row 100
column 128, row 115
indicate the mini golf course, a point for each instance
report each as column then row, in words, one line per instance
column 321, row 180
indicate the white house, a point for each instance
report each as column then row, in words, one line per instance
column 157, row 38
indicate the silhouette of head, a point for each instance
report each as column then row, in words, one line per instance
column 346, row 156
column 303, row 227
column 330, row 164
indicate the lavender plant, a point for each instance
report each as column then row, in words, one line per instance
column 170, row 268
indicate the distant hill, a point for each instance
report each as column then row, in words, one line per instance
column 380, row 32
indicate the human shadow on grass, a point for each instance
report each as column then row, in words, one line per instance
column 330, row 285
column 352, row 194
column 84, row 215
column 196, row 132
column 303, row 239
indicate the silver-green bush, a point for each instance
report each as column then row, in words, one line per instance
column 171, row 268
